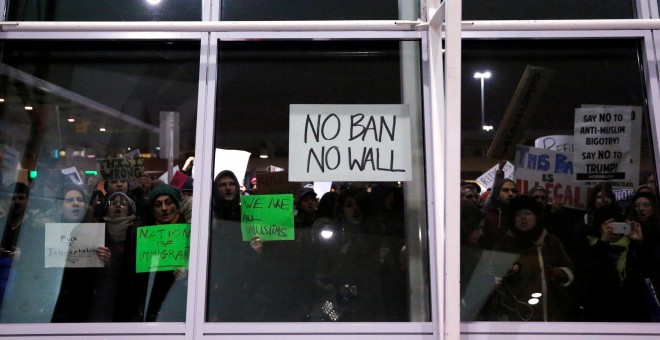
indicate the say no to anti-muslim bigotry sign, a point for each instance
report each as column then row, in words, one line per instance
column 268, row 216
column 349, row 143
column 602, row 141
column 162, row 247
column 73, row 245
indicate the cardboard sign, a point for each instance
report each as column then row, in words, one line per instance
column 162, row 247
column 73, row 245
column 552, row 170
column 349, row 143
column 269, row 216
column 276, row 183
column 602, row 144
column 519, row 112
column 9, row 164
column 120, row 168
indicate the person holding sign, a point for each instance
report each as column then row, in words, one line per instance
column 164, row 204
column 78, row 284
column 115, row 299
column 504, row 190
column 235, row 291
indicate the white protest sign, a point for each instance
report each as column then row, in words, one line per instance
column 349, row 143
column 486, row 180
column 602, row 144
column 72, row 174
column 635, row 148
column 563, row 143
column 73, row 245
column 234, row 160
column 552, row 170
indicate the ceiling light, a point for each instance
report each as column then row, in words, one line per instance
column 71, row 120
column 102, row 129
column 2, row 100
column 29, row 108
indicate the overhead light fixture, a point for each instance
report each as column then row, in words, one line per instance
column 71, row 120
column 487, row 127
column 28, row 108
column 102, row 129
column 2, row 100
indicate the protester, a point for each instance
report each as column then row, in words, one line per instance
column 542, row 267
column 504, row 190
column 348, row 275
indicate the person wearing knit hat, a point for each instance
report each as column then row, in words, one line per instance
column 542, row 266
column 164, row 203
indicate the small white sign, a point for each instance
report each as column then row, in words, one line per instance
column 349, row 143
column 234, row 160
column 486, row 180
column 73, row 245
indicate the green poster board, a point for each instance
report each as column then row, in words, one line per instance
column 269, row 216
column 162, row 247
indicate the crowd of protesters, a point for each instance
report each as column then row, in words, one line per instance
column 532, row 259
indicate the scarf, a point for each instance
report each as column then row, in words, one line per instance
column 118, row 226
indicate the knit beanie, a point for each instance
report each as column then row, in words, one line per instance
column 164, row 189
column 131, row 203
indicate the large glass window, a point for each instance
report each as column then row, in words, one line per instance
column 559, row 216
column 339, row 245
column 95, row 10
column 547, row 10
column 84, row 174
column 237, row 10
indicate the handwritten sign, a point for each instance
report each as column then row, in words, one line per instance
column 120, row 168
column 162, row 247
column 563, row 143
column 486, row 180
column 73, row 245
column 602, row 144
column 552, row 170
column 349, row 143
column 269, row 216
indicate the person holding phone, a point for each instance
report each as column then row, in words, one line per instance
column 611, row 270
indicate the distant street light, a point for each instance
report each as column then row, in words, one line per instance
column 482, row 76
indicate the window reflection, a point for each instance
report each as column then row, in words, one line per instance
column 81, row 172
column 350, row 251
column 553, row 226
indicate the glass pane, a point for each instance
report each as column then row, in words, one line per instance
column 80, row 128
column 250, row 10
column 547, row 10
column 570, row 118
column 358, row 250
column 99, row 10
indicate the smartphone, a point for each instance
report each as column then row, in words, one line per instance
column 621, row 228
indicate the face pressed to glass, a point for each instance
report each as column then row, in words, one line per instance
column 524, row 220
column 165, row 210
column 73, row 206
column 117, row 207
column 352, row 213
column 227, row 188
column 508, row 192
column 643, row 208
